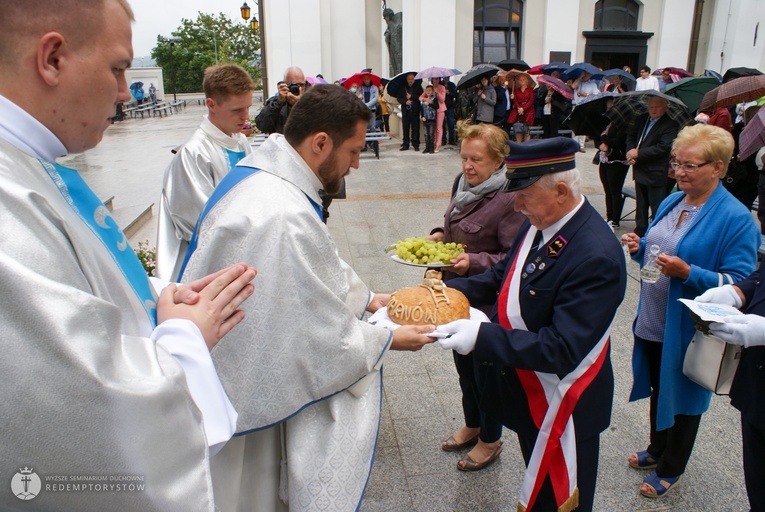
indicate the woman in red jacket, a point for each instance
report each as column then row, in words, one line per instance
column 522, row 112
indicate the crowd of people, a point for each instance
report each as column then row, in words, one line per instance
column 285, row 414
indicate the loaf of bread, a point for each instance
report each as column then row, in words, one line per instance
column 429, row 303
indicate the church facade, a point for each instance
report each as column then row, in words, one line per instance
column 340, row 37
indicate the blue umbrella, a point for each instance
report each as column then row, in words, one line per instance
column 619, row 72
column 554, row 66
column 136, row 85
column 712, row 72
column 576, row 70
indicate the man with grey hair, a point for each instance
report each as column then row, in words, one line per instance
column 273, row 116
column 545, row 355
column 110, row 391
column 649, row 144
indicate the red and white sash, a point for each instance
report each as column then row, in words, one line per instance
column 551, row 401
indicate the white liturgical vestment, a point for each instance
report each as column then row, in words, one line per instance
column 91, row 388
column 301, row 369
column 189, row 179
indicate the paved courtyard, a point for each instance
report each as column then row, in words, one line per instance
column 405, row 194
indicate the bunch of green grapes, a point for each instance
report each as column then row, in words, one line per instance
column 422, row 251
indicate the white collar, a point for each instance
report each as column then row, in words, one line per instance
column 549, row 231
column 27, row 133
column 301, row 164
column 228, row 141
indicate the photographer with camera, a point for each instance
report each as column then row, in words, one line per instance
column 273, row 115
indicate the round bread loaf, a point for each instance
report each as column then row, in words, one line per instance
column 428, row 303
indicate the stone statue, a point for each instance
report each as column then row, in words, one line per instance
column 393, row 39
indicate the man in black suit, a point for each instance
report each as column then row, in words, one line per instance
column 649, row 145
column 554, row 299
column 409, row 97
column 747, row 394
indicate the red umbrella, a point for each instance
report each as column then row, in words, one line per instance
column 557, row 85
column 358, row 79
column 752, row 137
column 676, row 71
column 536, row 70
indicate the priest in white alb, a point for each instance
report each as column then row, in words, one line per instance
column 304, row 373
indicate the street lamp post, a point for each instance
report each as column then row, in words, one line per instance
column 172, row 41
column 258, row 26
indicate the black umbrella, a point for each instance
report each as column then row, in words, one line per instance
column 734, row 73
column 629, row 105
column 509, row 64
column 399, row 81
column 587, row 117
column 474, row 75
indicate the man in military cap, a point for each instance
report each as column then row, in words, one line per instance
column 545, row 356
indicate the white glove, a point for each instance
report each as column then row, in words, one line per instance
column 744, row 330
column 721, row 295
column 463, row 335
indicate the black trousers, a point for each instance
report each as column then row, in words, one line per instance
column 430, row 127
column 550, row 126
column 612, row 177
column 673, row 446
column 448, row 128
column 468, row 371
column 754, row 464
column 587, row 453
column 647, row 196
column 411, row 123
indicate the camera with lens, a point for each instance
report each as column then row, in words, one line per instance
column 294, row 88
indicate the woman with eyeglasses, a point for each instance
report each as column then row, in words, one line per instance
column 706, row 237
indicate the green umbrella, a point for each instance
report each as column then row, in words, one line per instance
column 691, row 90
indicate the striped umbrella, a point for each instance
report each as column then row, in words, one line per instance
column 752, row 137
column 740, row 90
column 557, row 85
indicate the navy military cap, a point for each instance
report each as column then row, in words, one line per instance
column 530, row 160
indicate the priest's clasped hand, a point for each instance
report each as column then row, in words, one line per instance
column 744, row 330
column 463, row 334
column 211, row 303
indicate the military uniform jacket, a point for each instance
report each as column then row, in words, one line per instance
column 568, row 300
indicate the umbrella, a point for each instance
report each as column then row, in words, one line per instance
column 629, row 105
column 691, row 90
column 587, row 117
column 680, row 72
column 509, row 64
column 358, row 78
column 734, row 73
column 474, row 75
column 558, row 85
column 576, row 70
column 512, row 74
column 435, row 72
column 619, row 72
column 136, row 85
column 399, row 81
column 712, row 72
column 740, row 90
column 752, row 137
column 555, row 66
column 315, row 80
column 536, row 70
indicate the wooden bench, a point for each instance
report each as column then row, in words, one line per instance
column 178, row 104
column 537, row 132
column 162, row 108
column 373, row 140
column 144, row 109
column 258, row 140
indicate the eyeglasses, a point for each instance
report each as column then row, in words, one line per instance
column 689, row 168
